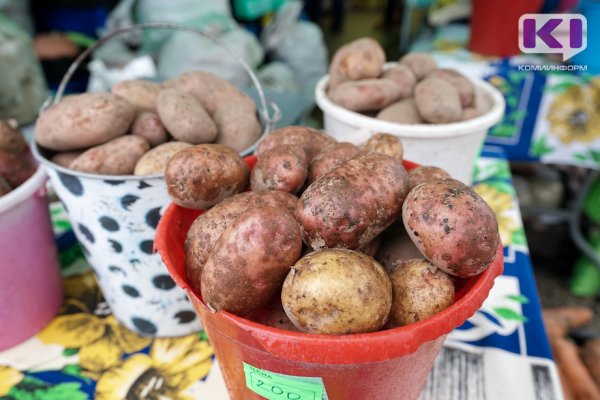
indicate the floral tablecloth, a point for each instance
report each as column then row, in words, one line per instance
column 501, row 352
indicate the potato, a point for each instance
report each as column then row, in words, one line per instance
column 250, row 260
column 360, row 59
column 466, row 89
column 372, row 247
column 117, row 157
column 401, row 112
column 281, row 168
column 237, row 127
column 404, row 77
column 232, row 110
column 351, row 204
column 139, row 93
column 419, row 291
column 337, row 291
column 149, row 126
column 396, row 246
column 208, row 227
column 275, row 198
column 452, row 226
column 470, row 113
column 384, row 143
column 201, row 176
column 329, row 158
column 366, row 94
column 15, row 169
column 274, row 315
column 65, row 158
column 155, row 161
column 437, row 101
column 420, row 64
column 82, row 121
column 425, row 173
column 11, row 140
column 211, row 91
column 4, row 186
column 184, row 117
column 312, row 140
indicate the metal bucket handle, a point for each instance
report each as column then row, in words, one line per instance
column 267, row 120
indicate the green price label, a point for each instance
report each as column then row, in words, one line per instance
column 274, row 386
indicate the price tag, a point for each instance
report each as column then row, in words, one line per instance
column 274, row 386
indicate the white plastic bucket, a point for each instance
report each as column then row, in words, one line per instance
column 453, row 147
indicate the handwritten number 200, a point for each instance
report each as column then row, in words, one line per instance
column 277, row 390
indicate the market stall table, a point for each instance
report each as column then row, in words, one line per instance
column 500, row 352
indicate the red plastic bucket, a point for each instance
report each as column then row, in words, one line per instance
column 390, row 364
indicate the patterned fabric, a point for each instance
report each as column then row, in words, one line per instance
column 86, row 353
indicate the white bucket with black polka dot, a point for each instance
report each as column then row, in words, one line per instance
column 115, row 219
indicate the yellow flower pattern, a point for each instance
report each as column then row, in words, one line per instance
column 165, row 373
column 86, row 325
column 501, row 204
column 574, row 115
column 9, row 377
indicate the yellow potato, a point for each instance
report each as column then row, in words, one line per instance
column 155, row 161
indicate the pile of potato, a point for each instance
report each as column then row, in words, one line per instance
column 137, row 127
column 16, row 165
column 331, row 238
column 413, row 91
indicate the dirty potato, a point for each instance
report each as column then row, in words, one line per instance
column 419, row 291
column 360, row 59
column 281, row 168
column 384, row 143
column 201, row 176
column 11, row 140
column 452, row 226
column 312, row 140
column 117, row 157
column 184, row 117
column 396, row 246
column 81, row 121
column 351, row 204
column 249, row 262
column 337, row 291
column 425, row 173
column 15, row 169
column 329, row 158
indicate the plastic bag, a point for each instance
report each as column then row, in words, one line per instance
column 22, row 87
column 298, row 44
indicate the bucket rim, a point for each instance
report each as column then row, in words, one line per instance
column 23, row 191
column 415, row 131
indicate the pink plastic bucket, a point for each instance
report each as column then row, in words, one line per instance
column 30, row 282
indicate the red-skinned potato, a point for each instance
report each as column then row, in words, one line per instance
column 425, row 173
column 11, row 140
column 329, row 158
column 360, row 59
column 149, row 126
column 311, row 140
column 15, row 169
column 366, row 94
column 208, row 227
column 281, row 168
column 401, row 112
column 4, row 186
column 116, row 157
column 249, row 262
column 438, row 101
column 274, row 315
column 201, row 176
column 466, row 89
column 404, row 77
column 452, row 226
column 353, row 203
column 420, row 64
